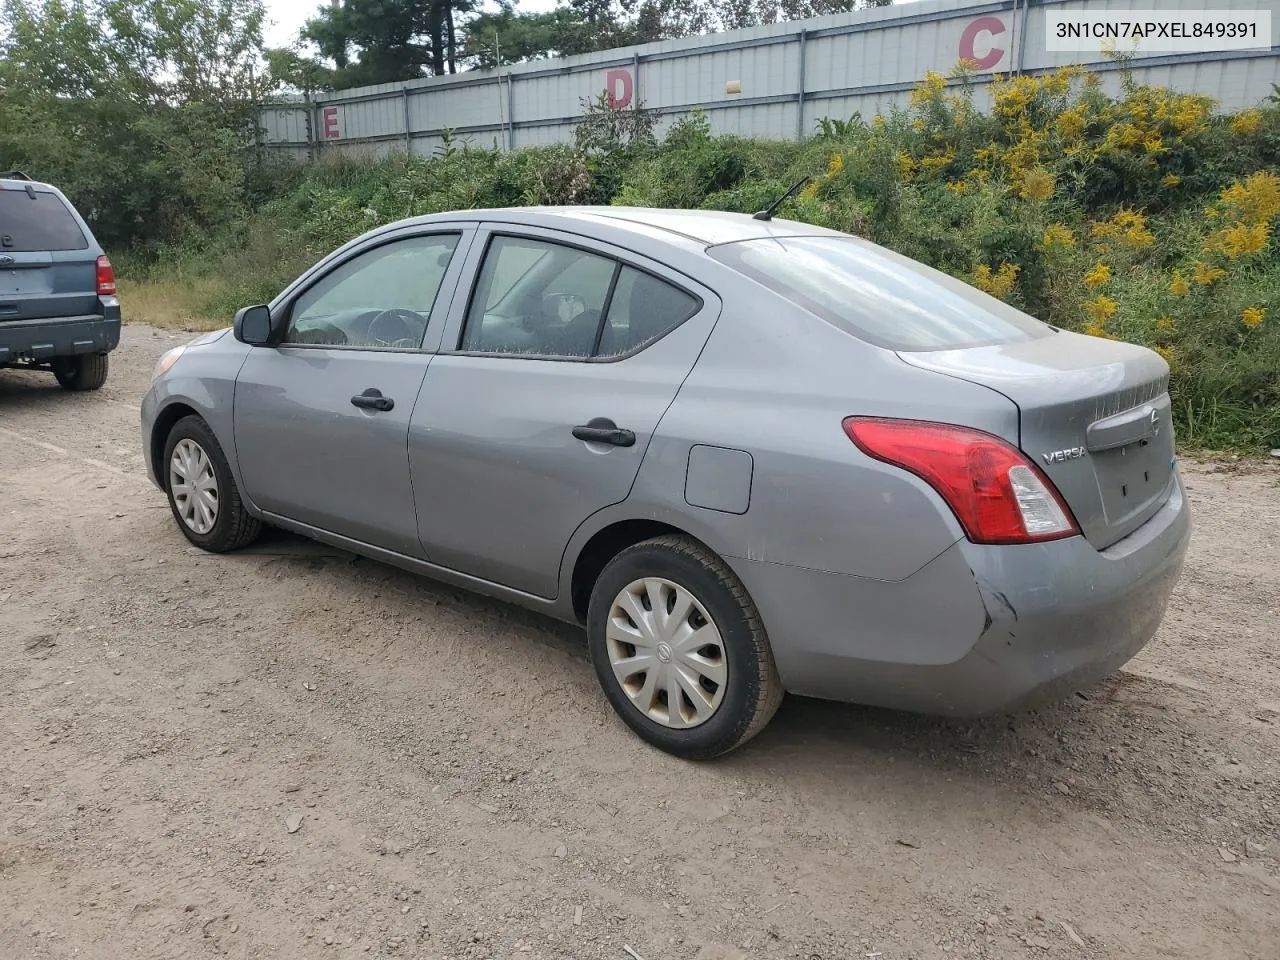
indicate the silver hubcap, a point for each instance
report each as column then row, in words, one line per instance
column 194, row 486
column 666, row 653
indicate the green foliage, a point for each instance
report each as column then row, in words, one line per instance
column 1058, row 200
column 136, row 110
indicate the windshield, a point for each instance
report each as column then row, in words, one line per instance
column 878, row 295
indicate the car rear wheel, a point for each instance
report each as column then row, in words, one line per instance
column 88, row 371
column 680, row 649
column 202, row 493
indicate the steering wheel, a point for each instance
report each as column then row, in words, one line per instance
column 396, row 328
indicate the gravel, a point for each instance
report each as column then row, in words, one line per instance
column 467, row 792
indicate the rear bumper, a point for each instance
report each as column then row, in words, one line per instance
column 62, row 337
column 979, row 630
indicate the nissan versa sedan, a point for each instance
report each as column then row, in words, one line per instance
column 749, row 455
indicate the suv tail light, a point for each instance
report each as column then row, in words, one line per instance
column 997, row 494
column 106, row 278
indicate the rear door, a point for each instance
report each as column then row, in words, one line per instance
column 48, row 264
column 538, row 409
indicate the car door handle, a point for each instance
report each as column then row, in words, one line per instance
column 604, row 430
column 372, row 399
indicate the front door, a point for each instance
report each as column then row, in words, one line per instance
column 539, row 407
column 322, row 419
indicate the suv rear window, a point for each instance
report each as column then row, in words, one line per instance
column 877, row 295
column 31, row 222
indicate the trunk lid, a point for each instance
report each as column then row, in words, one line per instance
column 1094, row 415
column 45, row 285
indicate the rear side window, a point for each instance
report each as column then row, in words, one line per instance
column 32, row 222
column 643, row 309
column 877, row 295
column 540, row 299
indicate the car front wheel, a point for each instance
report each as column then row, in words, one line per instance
column 680, row 649
column 202, row 493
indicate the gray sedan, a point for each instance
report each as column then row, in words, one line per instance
column 751, row 456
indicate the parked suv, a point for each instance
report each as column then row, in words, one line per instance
column 58, row 307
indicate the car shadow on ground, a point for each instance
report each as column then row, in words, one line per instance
column 1124, row 737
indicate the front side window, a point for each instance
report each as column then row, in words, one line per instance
column 535, row 298
column 877, row 295
column 381, row 298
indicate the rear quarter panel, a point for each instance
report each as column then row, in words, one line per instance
column 777, row 382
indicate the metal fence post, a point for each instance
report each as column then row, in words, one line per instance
column 408, row 144
column 511, row 111
column 804, row 34
column 1022, row 31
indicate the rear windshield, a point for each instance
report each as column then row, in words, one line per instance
column 36, row 221
column 878, row 295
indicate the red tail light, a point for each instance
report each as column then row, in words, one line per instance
column 997, row 494
column 106, row 278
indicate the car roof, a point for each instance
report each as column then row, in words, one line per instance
column 702, row 227
column 21, row 182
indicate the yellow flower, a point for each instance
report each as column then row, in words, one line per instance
column 937, row 162
column 957, row 186
column 1098, row 276
column 1011, row 97
column 1058, row 236
column 1179, row 287
column 1246, row 122
column 927, row 89
column 1154, row 144
column 1253, row 316
column 1128, row 227
column 877, row 121
column 906, row 166
column 1170, row 180
column 1188, row 114
column 1164, row 324
column 810, row 191
column 1138, row 236
column 1095, row 329
column 1071, row 123
column 1206, row 275
column 998, row 284
column 1036, row 184
column 1239, row 240
column 836, row 165
column 1256, row 200
column 1101, row 309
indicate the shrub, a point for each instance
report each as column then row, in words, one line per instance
column 1144, row 217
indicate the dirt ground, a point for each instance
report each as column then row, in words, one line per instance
column 291, row 753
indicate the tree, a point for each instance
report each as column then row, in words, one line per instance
column 137, row 110
column 510, row 37
column 383, row 41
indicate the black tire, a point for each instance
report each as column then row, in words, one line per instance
column 88, row 371
column 753, row 690
column 233, row 527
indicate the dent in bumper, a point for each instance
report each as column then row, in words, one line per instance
column 980, row 629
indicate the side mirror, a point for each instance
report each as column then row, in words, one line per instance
column 253, row 325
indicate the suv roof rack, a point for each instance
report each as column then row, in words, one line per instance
column 15, row 175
